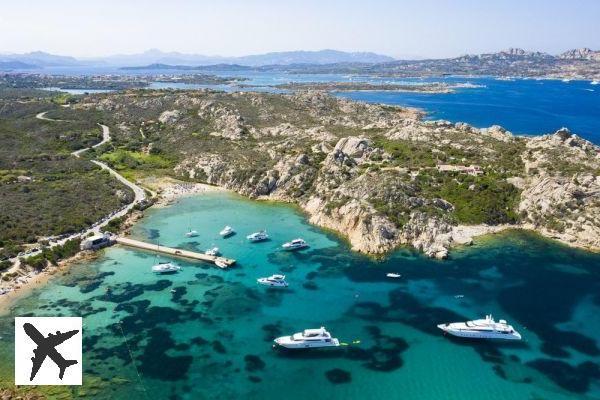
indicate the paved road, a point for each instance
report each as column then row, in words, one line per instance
column 43, row 117
column 105, row 139
column 139, row 195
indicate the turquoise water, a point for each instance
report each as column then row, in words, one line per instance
column 207, row 333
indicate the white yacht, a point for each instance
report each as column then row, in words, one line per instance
column 165, row 268
column 258, row 236
column 295, row 244
column 482, row 329
column 191, row 233
column 393, row 275
column 212, row 252
column 309, row 338
column 227, row 231
column 273, row 280
column 595, row 82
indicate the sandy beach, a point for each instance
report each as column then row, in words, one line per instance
column 167, row 190
column 23, row 285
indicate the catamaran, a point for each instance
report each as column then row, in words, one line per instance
column 482, row 329
column 258, row 236
column 164, row 268
column 227, row 231
column 295, row 244
column 309, row 338
column 273, row 280
column 191, row 233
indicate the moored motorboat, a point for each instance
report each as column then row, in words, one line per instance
column 482, row 329
column 221, row 262
column 212, row 252
column 258, row 236
column 295, row 244
column 227, row 231
column 273, row 280
column 393, row 275
column 309, row 338
column 165, row 268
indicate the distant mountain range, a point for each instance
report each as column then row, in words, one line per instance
column 41, row 59
column 38, row 59
column 279, row 58
column 582, row 62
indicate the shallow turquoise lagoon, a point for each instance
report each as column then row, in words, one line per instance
column 207, row 333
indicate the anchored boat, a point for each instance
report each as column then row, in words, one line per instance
column 191, row 233
column 212, row 252
column 273, row 280
column 482, row 329
column 258, row 236
column 227, row 231
column 309, row 338
column 164, row 268
column 295, row 244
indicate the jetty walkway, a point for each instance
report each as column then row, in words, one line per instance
column 173, row 252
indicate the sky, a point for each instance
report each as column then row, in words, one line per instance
column 400, row 28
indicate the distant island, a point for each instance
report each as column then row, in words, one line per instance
column 434, row 87
column 105, row 82
column 573, row 64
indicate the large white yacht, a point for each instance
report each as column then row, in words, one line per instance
column 482, row 329
column 273, row 280
column 165, row 268
column 258, row 236
column 295, row 244
column 227, row 231
column 309, row 338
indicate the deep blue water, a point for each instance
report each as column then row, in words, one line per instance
column 521, row 106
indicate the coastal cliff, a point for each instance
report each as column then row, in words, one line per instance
column 378, row 175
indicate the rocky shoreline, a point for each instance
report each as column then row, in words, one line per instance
column 377, row 174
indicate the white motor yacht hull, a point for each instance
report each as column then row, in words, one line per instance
column 265, row 282
column 472, row 334
column 288, row 343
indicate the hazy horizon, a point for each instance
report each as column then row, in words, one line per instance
column 400, row 29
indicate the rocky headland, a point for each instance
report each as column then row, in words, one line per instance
column 378, row 175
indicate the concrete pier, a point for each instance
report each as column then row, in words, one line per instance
column 138, row 244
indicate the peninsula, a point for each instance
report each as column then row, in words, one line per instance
column 378, row 175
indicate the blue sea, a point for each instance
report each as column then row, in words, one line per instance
column 207, row 333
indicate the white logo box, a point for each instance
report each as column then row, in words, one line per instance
column 55, row 343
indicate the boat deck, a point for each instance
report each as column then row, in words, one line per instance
column 138, row 244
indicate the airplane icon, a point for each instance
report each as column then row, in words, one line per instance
column 47, row 347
